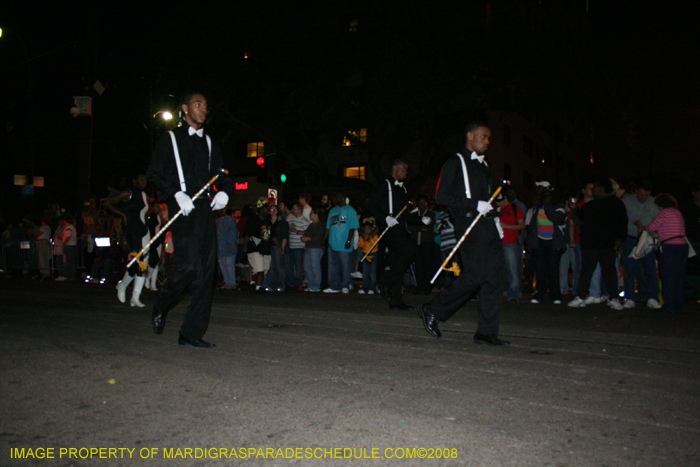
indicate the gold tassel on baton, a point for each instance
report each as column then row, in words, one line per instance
column 454, row 250
column 385, row 231
column 143, row 265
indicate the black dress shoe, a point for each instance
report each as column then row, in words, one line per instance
column 384, row 292
column 194, row 342
column 400, row 306
column 489, row 340
column 430, row 321
column 159, row 320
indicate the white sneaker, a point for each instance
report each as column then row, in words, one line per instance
column 615, row 304
column 361, row 291
column 577, row 302
column 356, row 275
column 370, row 292
column 345, row 290
column 653, row 304
column 557, row 302
column 61, row 279
column 329, row 290
column 629, row 303
column 535, row 301
column 591, row 300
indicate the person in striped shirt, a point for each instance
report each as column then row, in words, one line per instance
column 546, row 237
column 669, row 228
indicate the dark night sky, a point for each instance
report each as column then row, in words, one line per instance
column 637, row 56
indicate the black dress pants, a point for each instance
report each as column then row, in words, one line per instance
column 483, row 270
column 402, row 251
column 194, row 265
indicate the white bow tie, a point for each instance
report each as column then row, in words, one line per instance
column 199, row 132
column 478, row 157
column 398, row 183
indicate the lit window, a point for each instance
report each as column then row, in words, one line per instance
column 256, row 149
column 354, row 137
column 355, row 172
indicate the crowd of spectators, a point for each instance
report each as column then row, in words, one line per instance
column 580, row 244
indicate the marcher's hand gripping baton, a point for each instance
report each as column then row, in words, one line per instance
column 143, row 265
column 385, row 231
column 454, row 250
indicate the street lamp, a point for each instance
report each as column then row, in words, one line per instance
column 165, row 114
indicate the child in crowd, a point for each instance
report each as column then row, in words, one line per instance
column 369, row 265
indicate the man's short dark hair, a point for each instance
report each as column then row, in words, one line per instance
column 605, row 183
column 187, row 97
column 474, row 125
column 644, row 185
column 306, row 196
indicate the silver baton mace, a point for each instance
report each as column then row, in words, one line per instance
column 385, row 231
column 142, row 264
column 454, row 250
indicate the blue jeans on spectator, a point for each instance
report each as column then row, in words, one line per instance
column 228, row 269
column 294, row 262
column 571, row 257
column 369, row 275
column 596, row 289
column 513, row 253
column 274, row 279
column 312, row 267
column 339, row 269
column 640, row 274
column 673, row 261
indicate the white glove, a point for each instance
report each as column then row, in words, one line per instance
column 220, row 201
column 185, row 202
column 391, row 221
column 425, row 220
column 484, row 207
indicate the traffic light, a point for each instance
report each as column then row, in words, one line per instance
column 280, row 170
column 262, row 170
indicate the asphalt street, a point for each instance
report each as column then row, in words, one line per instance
column 313, row 379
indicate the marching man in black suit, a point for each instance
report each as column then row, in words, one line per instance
column 184, row 161
column 465, row 186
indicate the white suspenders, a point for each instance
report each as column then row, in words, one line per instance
column 183, row 187
column 391, row 201
column 391, row 198
column 467, row 190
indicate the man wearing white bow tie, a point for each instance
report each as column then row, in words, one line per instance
column 385, row 204
column 184, row 160
column 465, row 186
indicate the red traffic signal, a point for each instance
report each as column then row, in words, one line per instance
column 260, row 161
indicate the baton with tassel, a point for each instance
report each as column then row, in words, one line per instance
column 454, row 250
column 385, row 231
column 143, row 265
